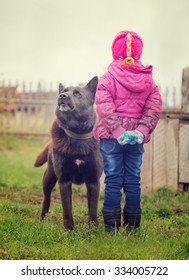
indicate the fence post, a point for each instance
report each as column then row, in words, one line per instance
column 183, row 183
column 185, row 90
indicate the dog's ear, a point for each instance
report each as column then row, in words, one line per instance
column 61, row 88
column 92, row 84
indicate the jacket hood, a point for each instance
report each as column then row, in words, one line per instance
column 135, row 78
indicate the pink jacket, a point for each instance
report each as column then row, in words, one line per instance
column 126, row 99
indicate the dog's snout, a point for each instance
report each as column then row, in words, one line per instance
column 63, row 95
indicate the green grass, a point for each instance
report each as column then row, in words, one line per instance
column 163, row 234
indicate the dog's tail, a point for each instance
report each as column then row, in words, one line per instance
column 43, row 156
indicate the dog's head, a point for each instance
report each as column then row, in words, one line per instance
column 75, row 104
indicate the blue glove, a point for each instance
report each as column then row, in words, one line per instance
column 131, row 137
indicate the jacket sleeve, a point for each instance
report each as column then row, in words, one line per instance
column 152, row 111
column 105, row 106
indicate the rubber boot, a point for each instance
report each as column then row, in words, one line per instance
column 131, row 219
column 112, row 219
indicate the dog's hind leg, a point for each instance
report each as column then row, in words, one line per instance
column 93, row 191
column 49, row 181
column 66, row 198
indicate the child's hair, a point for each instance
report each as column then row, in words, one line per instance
column 127, row 45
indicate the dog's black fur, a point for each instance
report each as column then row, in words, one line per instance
column 73, row 160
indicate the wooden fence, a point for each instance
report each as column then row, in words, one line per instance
column 24, row 111
column 166, row 157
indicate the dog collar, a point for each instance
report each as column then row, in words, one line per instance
column 75, row 135
column 78, row 136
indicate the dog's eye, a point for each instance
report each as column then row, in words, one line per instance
column 76, row 93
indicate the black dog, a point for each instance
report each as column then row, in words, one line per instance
column 73, row 154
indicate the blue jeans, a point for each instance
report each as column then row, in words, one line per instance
column 122, row 170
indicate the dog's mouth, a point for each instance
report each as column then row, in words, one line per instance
column 64, row 107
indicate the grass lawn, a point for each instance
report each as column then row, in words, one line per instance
column 163, row 234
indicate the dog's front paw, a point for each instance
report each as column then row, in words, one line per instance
column 69, row 225
column 93, row 222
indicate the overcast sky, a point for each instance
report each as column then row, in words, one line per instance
column 70, row 41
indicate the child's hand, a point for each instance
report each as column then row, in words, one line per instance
column 131, row 137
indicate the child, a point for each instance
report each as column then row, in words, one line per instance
column 128, row 105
